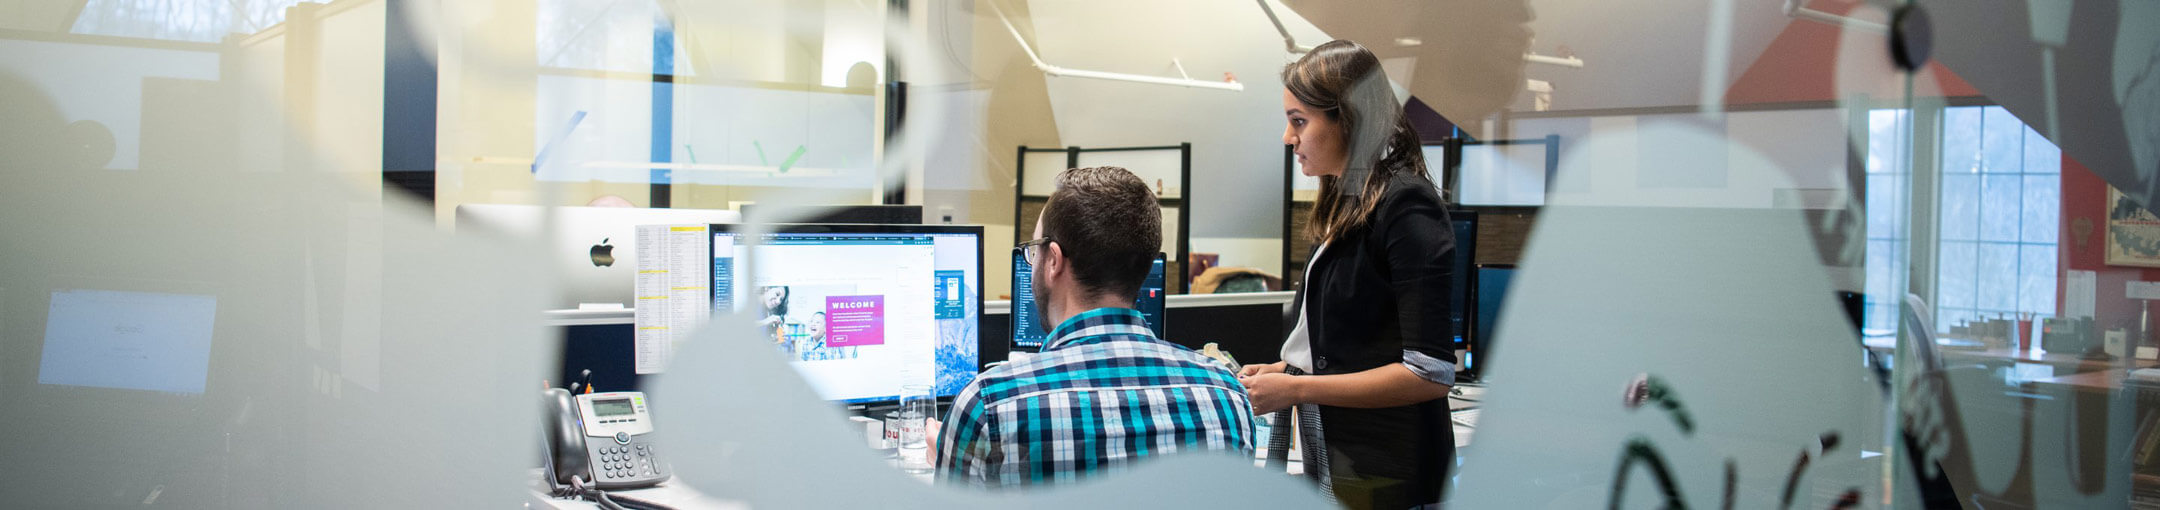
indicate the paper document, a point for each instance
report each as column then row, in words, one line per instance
column 674, row 289
column 2079, row 289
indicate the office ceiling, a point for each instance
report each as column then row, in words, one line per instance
column 1636, row 54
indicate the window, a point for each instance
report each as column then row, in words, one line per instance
column 2001, row 197
column 1886, row 237
column 1999, row 208
column 179, row 20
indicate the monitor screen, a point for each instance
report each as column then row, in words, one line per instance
column 861, row 310
column 1492, row 287
column 1502, row 174
column 1028, row 334
column 1435, row 157
column 1150, row 302
column 128, row 340
column 1459, row 296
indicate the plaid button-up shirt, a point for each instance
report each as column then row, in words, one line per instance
column 1103, row 392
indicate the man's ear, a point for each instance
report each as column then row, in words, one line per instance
column 1053, row 260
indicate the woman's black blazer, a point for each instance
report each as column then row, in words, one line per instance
column 1371, row 295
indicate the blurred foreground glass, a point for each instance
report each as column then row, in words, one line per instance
column 916, row 407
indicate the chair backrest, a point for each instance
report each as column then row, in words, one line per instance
column 1920, row 322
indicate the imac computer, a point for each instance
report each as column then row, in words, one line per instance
column 860, row 310
column 594, row 248
column 1028, row 334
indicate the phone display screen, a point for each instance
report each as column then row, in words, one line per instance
column 617, row 407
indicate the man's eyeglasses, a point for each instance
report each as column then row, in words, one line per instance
column 1033, row 250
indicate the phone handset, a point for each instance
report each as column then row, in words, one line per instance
column 604, row 440
column 565, row 440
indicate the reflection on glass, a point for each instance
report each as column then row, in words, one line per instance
column 212, row 299
column 128, row 340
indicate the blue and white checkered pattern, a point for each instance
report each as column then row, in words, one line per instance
column 1103, row 392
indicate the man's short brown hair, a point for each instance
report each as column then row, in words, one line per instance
column 1107, row 221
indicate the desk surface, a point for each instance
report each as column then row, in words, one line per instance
column 671, row 494
column 2051, row 358
column 2109, row 380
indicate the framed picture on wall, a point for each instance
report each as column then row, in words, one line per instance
column 2133, row 233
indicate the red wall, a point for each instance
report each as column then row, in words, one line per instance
column 1801, row 65
column 2084, row 197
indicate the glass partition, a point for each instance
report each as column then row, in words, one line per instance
column 1749, row 254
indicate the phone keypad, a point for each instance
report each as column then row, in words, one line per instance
column 626, row 462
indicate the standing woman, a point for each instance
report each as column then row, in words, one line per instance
column 1370, row 362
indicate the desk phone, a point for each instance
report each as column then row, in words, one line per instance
column 604, row 438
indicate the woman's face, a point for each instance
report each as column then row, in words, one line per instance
column 1317, row 139
column 773, row 296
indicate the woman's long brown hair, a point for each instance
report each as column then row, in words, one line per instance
column 1344, row 80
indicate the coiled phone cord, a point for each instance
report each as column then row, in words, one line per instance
column 610, row 502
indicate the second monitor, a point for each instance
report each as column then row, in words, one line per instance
column 1028, row 335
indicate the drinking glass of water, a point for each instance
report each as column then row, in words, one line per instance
column 916, row 407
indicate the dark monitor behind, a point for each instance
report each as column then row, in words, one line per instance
column 1461, row 298
column 1492, row 286
column 608, row 350
column 858, row 214
column 1251, row 332
column 1028, row 336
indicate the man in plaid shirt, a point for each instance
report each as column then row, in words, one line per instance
column 1104, row 391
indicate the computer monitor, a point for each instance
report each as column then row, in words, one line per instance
column 1492, row 286
column 861, row 309
column 602, row 342
column 594, row 248
column 1028, row 335
column 1153, row 296
column 1505, row 173
column 1460, row 296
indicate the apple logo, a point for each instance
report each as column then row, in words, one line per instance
column 603, row 254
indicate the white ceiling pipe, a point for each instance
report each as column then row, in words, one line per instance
column 1551, row 60
column 1289, row 42
column 1052, row 70
column 1795, row 10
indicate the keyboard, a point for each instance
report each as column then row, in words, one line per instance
column 1466, row 417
